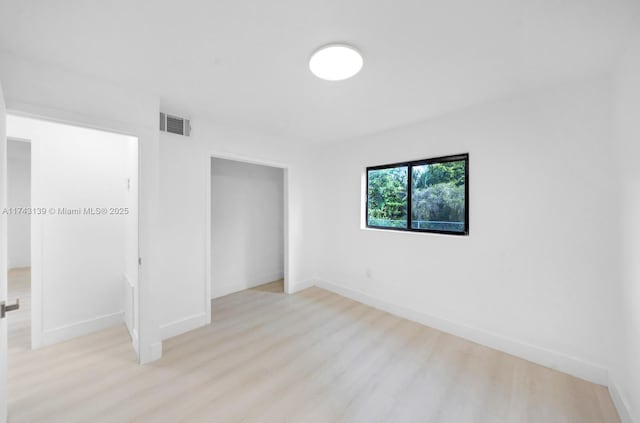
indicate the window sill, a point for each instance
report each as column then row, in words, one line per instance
column 400, row 231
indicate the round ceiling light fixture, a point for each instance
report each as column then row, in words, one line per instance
column 335, row 62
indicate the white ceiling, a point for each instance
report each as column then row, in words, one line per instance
column 246, row 62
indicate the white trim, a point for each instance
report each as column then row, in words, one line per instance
column 553, row 359
column 134, row 341
column 149, row 353
column 245, row 159
column 208, row 292
column 300, row 286
column 155, row 352
column 63, row 333
column 620, row 401
column 285, row 225
column 187, row 324
column 3, row 259
column 37, row 266
column 234, row 287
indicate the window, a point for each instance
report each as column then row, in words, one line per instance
column 429, row 195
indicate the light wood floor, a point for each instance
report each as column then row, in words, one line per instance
column 309, row 357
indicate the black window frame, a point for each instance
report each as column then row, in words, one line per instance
column 409, row 165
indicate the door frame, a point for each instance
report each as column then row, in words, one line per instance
column 286, row 214
column 36, row 282
column 32, row 317
column 4, row 398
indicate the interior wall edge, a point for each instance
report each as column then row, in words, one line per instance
column 619, row 400
column 564, row 363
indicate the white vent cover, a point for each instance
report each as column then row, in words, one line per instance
column 174, row 124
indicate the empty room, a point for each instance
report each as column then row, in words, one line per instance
column 320, row 211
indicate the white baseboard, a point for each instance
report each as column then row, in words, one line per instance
column 181, row 326
column 299, row 286
column 129, row 306
column 134, row 342
column 232, row 288
column 545, row 357
column 64, row 333
column 150, row 354
column 156, row 351
column 620, row 401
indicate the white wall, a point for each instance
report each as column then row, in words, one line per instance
column 78, row 260
column 247, row 239
column 40, row 89
column 534, row 277
column 173, row 278
column 625, row 382
column 19, row 195
column 182, row 288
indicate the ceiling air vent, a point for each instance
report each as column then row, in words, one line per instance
column 175, row 124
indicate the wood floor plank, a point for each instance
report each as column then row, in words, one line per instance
column 271, row 357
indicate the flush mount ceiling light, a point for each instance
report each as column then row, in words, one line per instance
column 335, row 62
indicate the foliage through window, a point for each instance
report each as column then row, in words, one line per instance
column 437, row 200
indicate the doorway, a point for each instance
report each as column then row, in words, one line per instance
column 248, row 227
column 72, row 231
